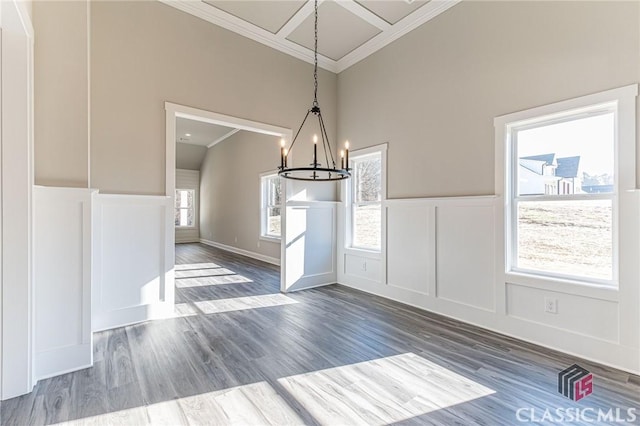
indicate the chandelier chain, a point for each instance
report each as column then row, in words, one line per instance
column 315, row 57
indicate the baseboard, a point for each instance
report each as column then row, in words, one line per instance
column 507, row 331
column 251, row 254
column 63, row 360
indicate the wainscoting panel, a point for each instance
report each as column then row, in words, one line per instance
column 574, row 313
column 310, row 246
column 62, row 280
column 133, row 268
column 465, row 254
column 410, row 247
column 363, row 267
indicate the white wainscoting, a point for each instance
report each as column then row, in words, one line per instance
column 445, row 255
column 133, row 278
column 309, row 251
column 62, row 280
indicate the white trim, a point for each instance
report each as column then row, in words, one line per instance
column 622, row 102
column 210, row 117
column 264, row 216
column 303, row 13
column 247, row 253
column 223, row 137
column 364, row 14
column 17, row 359
column 279, row 41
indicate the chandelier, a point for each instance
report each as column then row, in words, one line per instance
column 316, row 171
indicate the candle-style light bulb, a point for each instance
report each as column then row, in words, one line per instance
column 315, row 150
column 282, row 154
column 342, row 159
column 346, row 149
column 285, row 153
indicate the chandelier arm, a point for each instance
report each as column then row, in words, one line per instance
column 323, row 129
column 298, row 132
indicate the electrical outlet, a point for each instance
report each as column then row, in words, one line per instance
column 364, row 266
column 551, row 305
column 236, row 239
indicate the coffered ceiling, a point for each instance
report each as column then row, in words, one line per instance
column 348, row 30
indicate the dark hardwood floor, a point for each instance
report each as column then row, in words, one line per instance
column 240, row 352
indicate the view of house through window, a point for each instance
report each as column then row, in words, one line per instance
column 184, row 214
column 367, row 201
column 271, row 201
column 563, row 195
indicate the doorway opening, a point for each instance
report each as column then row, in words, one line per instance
column 215, row 171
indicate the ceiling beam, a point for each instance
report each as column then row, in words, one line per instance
column 298, row 18
column 364, row 14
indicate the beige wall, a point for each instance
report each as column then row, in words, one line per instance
column 146, row 53
column 433, row 94
column 61, row 129
column 230, row 191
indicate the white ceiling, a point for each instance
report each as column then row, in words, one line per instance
column 200, row 133
column 348, row 30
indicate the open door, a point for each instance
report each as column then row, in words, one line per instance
column 308, row 244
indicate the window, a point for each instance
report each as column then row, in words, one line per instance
column 271, row 202
column 185, row 211
column 366, row 201
column 563, row 179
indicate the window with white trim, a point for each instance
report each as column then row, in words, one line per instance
column 271, row 204
column 185, row 208
column 562, row 183
column 366, row 201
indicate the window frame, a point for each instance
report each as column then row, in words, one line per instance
column 193, row 207
column 515, row 199
column 265, row 178
column 351, row 204
column 621, row 102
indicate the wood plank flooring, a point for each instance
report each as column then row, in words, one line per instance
column 240, row 352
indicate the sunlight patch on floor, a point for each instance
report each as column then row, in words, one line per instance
column 205, row 281
column 242, row 303
column 381, row 391
column 252, row 404
column 192, row 266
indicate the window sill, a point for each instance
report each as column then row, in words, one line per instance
column 373, row 254
column 576, row 287
column 270, row 239
column 186, row 228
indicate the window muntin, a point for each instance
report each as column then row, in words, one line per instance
column 271, row 206
column 184, row 208
column 563, row 195
column 366, row 207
